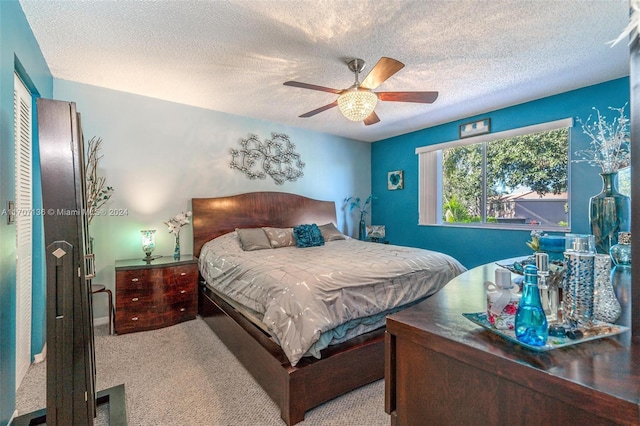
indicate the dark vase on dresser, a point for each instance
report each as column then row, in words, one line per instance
column 609, row 213
column 362, row 228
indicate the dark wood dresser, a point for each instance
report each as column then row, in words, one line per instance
column 157, row 294
column 441, row 368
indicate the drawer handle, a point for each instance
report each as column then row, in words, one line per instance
column 135, row 280
column 183, row 309
column 183, row 291
column 134, row 319
column 183, row 274
column 135, row 299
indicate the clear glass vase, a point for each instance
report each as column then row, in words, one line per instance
column 605, row 303
column 362, row 229
column 176, row 250
column 609, row 213
column 578, row 284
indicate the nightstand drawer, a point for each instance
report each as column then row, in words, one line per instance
column 130, row 321
column 137, row 299
column 183, row 307
column 180, row 293
column 140, row 278
column 181, row 275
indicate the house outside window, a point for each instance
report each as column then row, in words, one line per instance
column 513, row 179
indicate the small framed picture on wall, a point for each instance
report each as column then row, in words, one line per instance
column 395, row 180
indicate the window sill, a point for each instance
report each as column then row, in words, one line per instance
column 504, row 227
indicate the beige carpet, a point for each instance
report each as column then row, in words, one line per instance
column 184, row 375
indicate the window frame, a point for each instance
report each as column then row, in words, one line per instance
column 430, row 176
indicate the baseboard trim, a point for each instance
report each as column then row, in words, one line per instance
column 101, row 321
column 13, row 416
column 38, row 358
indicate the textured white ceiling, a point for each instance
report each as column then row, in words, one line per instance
column 233, row 56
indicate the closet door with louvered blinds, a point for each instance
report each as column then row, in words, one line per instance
column 23, row 188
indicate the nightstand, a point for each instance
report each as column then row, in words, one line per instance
column 371, row 240
column 155, row 294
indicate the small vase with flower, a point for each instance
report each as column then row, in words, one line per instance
column 175, row 224
column 355, row 202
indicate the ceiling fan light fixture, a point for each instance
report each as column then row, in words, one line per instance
column 357, row 104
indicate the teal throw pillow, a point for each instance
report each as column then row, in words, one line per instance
column 308, row 236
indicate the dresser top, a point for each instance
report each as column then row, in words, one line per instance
column 159, row 262
column 605, row 367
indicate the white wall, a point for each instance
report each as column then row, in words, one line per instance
column 158, row 155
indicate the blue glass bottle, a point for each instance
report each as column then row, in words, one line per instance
column 531, row 322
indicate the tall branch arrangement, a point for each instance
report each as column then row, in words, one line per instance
column 96, row 190
column 610, row 147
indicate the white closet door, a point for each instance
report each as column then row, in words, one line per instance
column 23, row 193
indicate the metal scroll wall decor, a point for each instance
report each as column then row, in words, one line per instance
column 274, row 157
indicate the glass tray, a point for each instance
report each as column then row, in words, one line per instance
column 599, row 330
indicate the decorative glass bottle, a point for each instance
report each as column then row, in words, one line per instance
column 609, row 213
column 621, row 252
column 577, row 291
column 362, row 229
column 531, row 322
column 605, row 303
column 503, row 297
column 549, row 292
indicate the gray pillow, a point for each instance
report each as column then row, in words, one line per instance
column 280, row 237
column 331, row 233
column 252, row 239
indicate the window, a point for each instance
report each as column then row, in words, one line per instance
column 624, row 181
column 517, row 178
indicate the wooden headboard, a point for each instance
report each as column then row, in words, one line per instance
column 213, row 217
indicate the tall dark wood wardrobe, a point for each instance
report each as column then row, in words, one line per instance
column 71, row 371
column 71, row 398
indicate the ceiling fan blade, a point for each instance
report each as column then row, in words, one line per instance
column 385, row 68
column 319, row 110
column 371, row 119
column 312, row 87
column 418, row 97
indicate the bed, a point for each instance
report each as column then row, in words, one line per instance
column 295, row 382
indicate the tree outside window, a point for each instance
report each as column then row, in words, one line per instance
column 516, row 180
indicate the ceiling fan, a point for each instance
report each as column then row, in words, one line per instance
column 358, row 101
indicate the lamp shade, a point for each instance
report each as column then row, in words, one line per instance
column 148, row 241
column 357, row 104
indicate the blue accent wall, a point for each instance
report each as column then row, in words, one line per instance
column 20, row 52
column 398, row 210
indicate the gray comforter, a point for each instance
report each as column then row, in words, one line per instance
column 311, row 297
